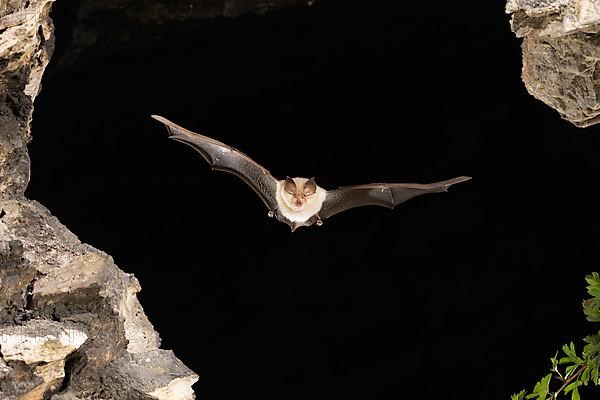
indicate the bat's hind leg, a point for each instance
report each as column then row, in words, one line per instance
column 319, row 220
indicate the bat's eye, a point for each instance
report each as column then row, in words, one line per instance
column 290, row 186
column 310, row 187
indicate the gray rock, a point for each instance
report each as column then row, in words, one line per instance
column 68, row 395
column 4, row 369
column 39, row 341
column 70, row 320
column 26, row 43
column 71, row 326
column 561, row 49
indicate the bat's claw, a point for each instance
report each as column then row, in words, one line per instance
column 319, row 221
column 270, row 214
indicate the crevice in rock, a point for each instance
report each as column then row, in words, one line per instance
column 28, row 301
column 73, row 364
column 40, row 34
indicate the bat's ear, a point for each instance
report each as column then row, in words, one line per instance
column 310, row 187
column 289, row 186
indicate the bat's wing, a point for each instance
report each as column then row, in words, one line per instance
column 226, row 158
column 379, row 194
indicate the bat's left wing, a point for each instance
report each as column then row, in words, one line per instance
column 226, row 158
column 379, row 194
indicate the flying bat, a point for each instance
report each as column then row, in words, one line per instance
column 299, row 201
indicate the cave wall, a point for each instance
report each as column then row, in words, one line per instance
column 71, row 326
column 561, row 50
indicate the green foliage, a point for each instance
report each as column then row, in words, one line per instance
column 570, row 369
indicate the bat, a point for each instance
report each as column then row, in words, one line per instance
column 299, row 201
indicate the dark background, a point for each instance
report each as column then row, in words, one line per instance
column 462, row 295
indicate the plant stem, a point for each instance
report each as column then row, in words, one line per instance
column 571, row 379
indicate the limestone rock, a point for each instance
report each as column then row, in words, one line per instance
column 71, row 326
column 39, row 341
column 41, row 347
column 561, row 50
column 26, row 42
column 4, row 369
column 65, row 396
column 78, row 313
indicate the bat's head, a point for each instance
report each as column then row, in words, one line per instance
column 299, row 192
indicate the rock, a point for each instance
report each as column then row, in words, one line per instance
column 38, row 350
column 71, row 326
column 176, row 389
column 4, row 369
column 43, row 346
column 146, row 374
column 553, row 18
column 65, row 396
column 74, row 320
column 39, row 341
column 561, row 49
column 26, row 42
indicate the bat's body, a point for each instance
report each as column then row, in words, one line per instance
column 299, row 201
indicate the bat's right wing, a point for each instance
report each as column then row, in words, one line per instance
column 379, row 194
column 226, row 158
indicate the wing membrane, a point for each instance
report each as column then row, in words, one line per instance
column 380, row 194
column 226, row 158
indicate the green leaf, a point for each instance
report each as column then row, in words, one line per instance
column 591, row 307
column 519, row 396
column 572, row 386
column 593, row 345
column 575, row 394
column 585, row 376
column 571, row 355
column 541, row 389
column 554, row 361
column 593, row 279
column 579, row 369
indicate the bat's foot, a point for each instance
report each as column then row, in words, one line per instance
column 319, row 221
column 270, row 214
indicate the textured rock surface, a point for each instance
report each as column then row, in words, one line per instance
column 71, row 326
column 26, row 42
column 561, row 49
column 41, row 347
column 71, row 319
column 39, row 341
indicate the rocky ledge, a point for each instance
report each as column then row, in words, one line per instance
column 561, row 50
column 71, row 326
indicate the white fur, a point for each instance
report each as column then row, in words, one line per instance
column 299, row 214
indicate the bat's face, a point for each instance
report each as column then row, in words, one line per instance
column 299, row 192
column 299, row 199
